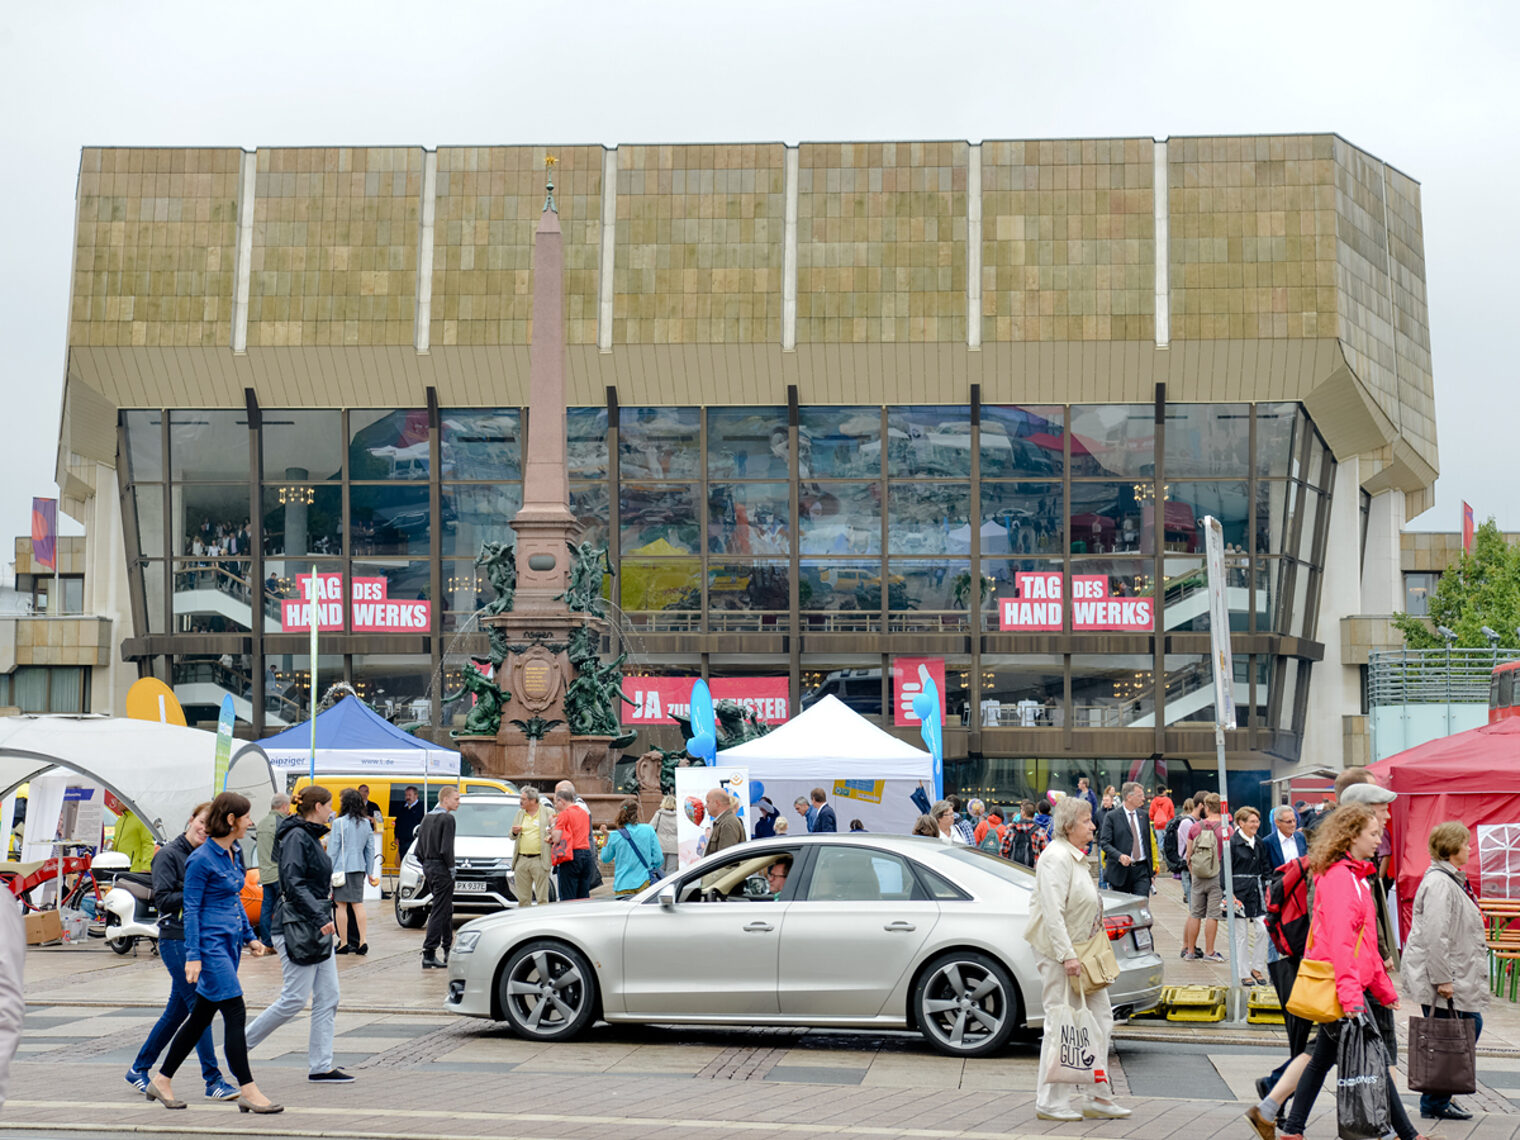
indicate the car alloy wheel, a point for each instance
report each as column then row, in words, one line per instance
column 548, row 991
column 965, row 1004
column 410, row 917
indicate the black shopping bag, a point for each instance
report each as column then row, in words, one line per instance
column 1361, row 1081
column 1443, row 1053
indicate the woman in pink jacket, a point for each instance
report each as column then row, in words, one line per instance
column 1343, row 932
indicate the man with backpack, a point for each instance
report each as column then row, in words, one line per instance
column 1204, row 855
column 1024, row 839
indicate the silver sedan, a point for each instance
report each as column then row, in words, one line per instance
column 845, row 931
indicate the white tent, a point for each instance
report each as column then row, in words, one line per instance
column 868, row 773
column 159, row 771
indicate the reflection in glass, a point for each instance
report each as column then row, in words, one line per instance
column 208, row 447
column 1189, row 503
column 650, row 584
column 150, row 520
column 1117, row 439
column 658, row 519
column 659, row 443
column 941, row 588
column 747, row 443
column 303, row 520
column 211, row 595
column 1314, row 470
column 393, row 518
column 1001, row 575
column 210, row 519
column 145, row 446
column 1275, row 425
column 1186, row 594
column 1112, row 690
column 858, row 686
column 1125, row 578
column 586, row 442
column 1021, row 518
column 843, row 590
column 743, row 585
column 929, row 442
column 590, row 506
column 1291, row 675
column 481, row 443
column 1189, row 697
column 1208, row 439
column 403, row 581
column 477, row 513
column 840, row 518
column 928, row 518
column 1110, row 518
column 1026, row 690
column 748, row 518
column 387, row 444
column 1312, row 507
column 287, row 681
column 153, row 589
column 302, row 446
column 1262, row 666
column 1022, row 441
column 1299, row 616
column 395, row 686
column 839, row 441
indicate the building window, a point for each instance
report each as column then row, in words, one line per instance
column 1417, row 590
column 42, row 588
column 47, row 689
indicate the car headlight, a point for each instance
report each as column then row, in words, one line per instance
column 465, row 942
column 410, row 862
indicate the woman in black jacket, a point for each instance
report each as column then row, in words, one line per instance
column 302, row 929
column 1250, row 864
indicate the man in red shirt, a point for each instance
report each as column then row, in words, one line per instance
column 572, row 823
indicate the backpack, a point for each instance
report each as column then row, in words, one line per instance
column 991, row 841
column 1018, row 846
column 1204, row 862
column 1289, row 895
column 1169, row 850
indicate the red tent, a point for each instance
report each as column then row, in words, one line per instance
column 1472, row 777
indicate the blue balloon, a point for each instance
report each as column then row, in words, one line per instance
column 756, row 791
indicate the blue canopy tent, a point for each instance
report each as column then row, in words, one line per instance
column 351, row 737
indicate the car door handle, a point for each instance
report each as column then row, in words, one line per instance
column 758, row 927
column 902, row 927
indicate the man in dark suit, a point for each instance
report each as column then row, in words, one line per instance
column 823, row 818
column 1128, row 849
column 1284, row 841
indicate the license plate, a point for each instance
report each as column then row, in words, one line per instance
column 465, row 887
column 1143, row 940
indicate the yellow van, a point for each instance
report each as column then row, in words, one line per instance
column 389, row 792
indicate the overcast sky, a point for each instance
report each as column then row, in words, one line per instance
column 1430, row 88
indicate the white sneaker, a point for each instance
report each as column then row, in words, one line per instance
column 1066, row 1114
column 1105, row 1110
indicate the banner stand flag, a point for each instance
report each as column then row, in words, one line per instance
column 224, row 726
column 45, row 533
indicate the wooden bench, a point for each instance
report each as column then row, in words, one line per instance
column 1501, row 917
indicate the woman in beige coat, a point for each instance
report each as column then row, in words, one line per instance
column 1446, row 959
column 1065, row 911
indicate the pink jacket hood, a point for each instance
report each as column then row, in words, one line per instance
column 1344, row 933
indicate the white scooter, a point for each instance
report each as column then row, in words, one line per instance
column 129, row 912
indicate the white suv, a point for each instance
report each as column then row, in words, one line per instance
column 483, row 880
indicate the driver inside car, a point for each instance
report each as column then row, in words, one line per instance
column 776, row 874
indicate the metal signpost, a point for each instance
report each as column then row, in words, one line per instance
column 1224, row 718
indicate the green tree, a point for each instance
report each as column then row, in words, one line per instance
column 1481, row 588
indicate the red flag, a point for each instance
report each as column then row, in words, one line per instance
column 1467, row 528
column 45, row 533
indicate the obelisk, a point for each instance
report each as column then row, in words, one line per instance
column 545, row 524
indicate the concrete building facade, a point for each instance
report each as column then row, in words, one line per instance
column 834, row 405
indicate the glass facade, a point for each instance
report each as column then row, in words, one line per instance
column 845, row 527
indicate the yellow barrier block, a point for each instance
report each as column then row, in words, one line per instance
column 1195, row 1003
column 1263, row 1006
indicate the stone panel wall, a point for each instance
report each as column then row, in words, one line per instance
column 1253, row 237
column 153, row 248
column 699, row 244
column 881, row 242
column 334, row 246
column 488, row 202
column 1068, row 240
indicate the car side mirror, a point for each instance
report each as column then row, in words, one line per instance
column 667, row 897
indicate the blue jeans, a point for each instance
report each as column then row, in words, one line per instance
column 266, row 911
column 1187, row 885
column 171, row 952
column 1432, row 1104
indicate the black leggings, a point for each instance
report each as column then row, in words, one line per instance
column 235, row 1046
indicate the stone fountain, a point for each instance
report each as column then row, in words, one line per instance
column 551, row 709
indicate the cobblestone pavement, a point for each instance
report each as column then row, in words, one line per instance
column 423, row 1072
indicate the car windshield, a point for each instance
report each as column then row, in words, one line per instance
column 995, row 864
column 476, row 820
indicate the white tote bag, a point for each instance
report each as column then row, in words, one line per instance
column 1074, row 1051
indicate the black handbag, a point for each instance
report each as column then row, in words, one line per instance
column 1443, row 1053
column 305, row 944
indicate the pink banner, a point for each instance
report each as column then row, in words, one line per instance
column 1037, row 606
column 656, row 698
column 370, row 611
column 908, row 674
